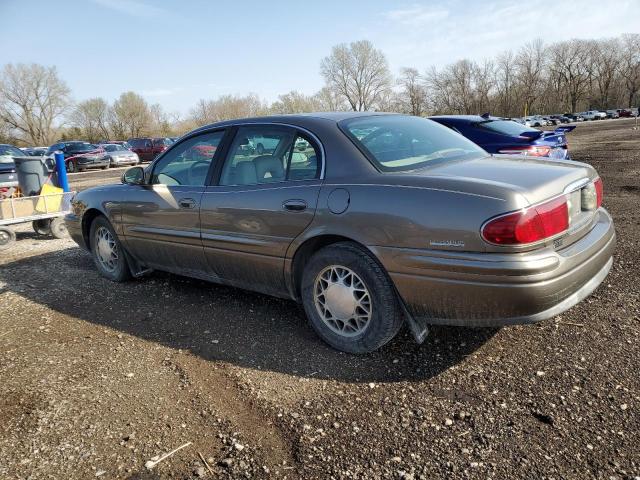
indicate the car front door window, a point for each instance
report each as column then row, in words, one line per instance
column 188, row 163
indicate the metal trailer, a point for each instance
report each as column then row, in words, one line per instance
column 46, row 213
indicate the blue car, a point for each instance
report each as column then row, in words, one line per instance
column 499, row 135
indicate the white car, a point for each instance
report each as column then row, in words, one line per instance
column 593, row 115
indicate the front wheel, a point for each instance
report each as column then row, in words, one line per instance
column 107, row 252
column 349, row 299
column 71, row 167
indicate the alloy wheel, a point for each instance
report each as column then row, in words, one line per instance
column 342, row 300
column 106, row 249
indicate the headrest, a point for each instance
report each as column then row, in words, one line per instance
column 268, row 169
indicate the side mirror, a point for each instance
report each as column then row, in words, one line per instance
column 133, row 176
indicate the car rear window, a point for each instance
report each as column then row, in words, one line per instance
column 505, row 127
column 403, row 143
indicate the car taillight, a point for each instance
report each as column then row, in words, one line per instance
column 599, row 191
column 529, row 225
column 530, row 150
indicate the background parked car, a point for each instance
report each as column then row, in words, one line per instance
column 560, row 118
column 119, row 155
column 79, row 155
column 115, row 142
column 8, row 176
column 149, row 148
column 624, row 113
column 593, row 115
column 497, row 135
column 34, row 151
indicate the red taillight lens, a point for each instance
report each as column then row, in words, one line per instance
column 599, row 191
column 530, row 225
column 531, row 151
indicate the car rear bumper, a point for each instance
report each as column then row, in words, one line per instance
column 455, row 288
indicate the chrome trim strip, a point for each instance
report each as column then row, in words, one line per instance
column 412, row 186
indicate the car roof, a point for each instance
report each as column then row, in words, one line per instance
column 302, row 119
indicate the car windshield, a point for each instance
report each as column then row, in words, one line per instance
column 81, row 147
column 11, row 151
column 114, row 148
column 506, row 127
column 397, row 143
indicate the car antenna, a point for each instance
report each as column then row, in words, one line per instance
column 485, row 115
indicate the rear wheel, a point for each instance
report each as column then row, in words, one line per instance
column 107, row 252
column 349, row 299
column 71, row 166
column 42, row 227
column 7, row 238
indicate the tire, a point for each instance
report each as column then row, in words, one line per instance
column 72, row 167
column 104, row 167
column 59, row 228
column 260, row 149
column 111, row 164
column 120, row 269
column 7, row 238
column 42, row 227
column 384, row 316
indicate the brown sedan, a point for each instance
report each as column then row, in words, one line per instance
column 368, row 220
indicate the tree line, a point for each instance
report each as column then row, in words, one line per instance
column 36, row 107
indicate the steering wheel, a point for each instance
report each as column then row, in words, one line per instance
column 191, row 178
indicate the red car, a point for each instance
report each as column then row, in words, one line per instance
column 148, row 148
column 623, row 113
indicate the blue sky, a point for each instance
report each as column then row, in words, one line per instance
column 175, row 52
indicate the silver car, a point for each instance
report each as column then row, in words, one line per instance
column 119, row 155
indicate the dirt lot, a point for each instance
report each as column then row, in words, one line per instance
column 97, row 378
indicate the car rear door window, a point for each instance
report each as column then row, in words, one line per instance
column 258, row 154
column 188, row 163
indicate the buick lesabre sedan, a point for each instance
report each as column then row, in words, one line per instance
column 368, row 220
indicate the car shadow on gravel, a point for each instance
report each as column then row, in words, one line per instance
column 225, row 324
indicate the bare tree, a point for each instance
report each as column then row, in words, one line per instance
column 530, row 62
column 294, row 102
column 91, row 117
column 506, row 84
column 413, row 98
column 606, row 60
column 328, row 100
column 32, row 99
column 130, row 116
column 570, row 62
column 359, row 72
column 630, row 69
column 227, row 107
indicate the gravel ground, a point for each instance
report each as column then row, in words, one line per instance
column 98, row 378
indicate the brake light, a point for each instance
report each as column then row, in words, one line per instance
column 529, row 225
column 599, row 191
column 530, row 150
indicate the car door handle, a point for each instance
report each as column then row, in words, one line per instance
column 294, row 205
column 187, row 203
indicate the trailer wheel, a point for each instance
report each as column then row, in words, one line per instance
column 59, row 228
column 7, row 237
column 42, row 227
